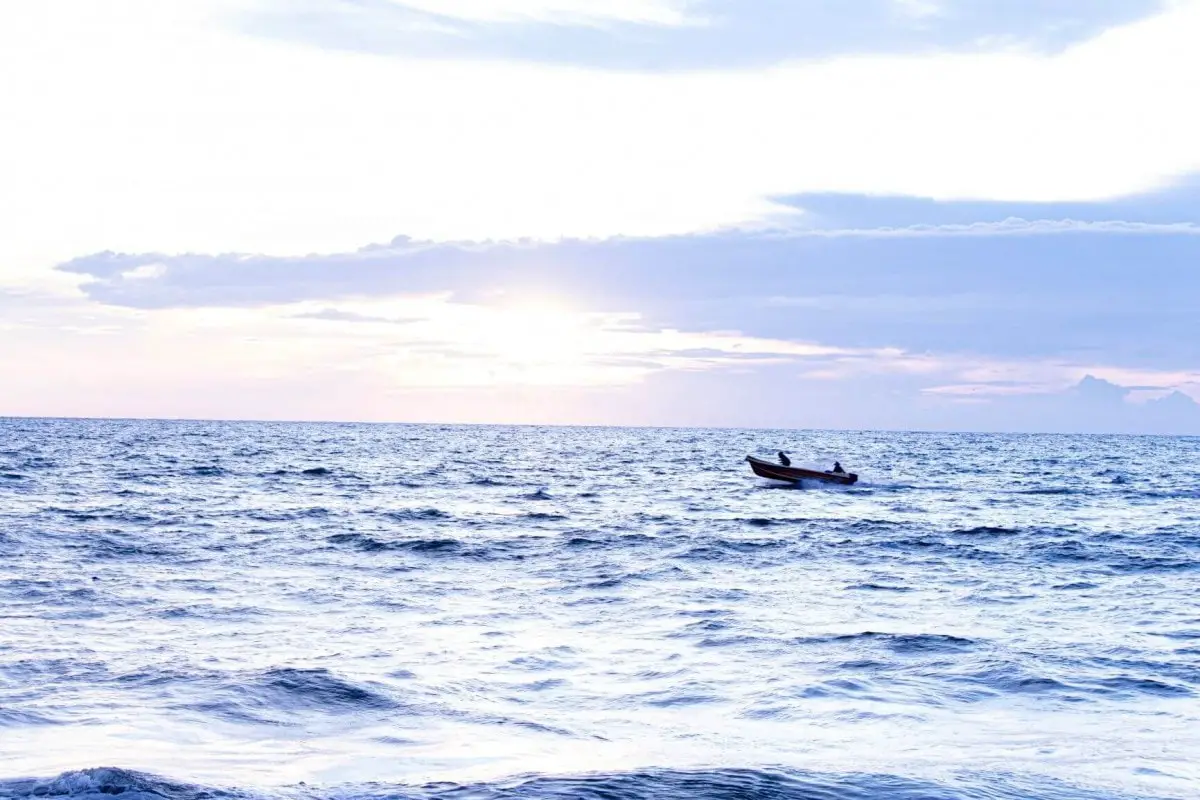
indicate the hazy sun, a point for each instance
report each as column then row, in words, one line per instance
column 538, row 331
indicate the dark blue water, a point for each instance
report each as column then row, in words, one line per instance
column 211, row 610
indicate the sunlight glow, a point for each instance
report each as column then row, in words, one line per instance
column 163, row 133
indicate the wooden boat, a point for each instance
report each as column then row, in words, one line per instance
column 778, row 472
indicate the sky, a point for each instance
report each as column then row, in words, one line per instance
column 899, row 214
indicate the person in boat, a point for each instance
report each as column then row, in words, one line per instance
column 783, row 459
column 837, row 468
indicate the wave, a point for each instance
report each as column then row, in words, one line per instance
column 931, row 547
column 417, row 514
column 308, row 472
column 645, row 784
column 487, row 481
column 911, row 643
column 1188, row 634
column 314, row 512
column 209, row 471
column 669, row 587
column 717, row 549
column 105, row 782
column 319, row 688
column 282, row 696
column 109, row 547
column 767, row 522
column 1177, row 494
column 13, row 718
column 370, row 544
column 1138, row 563
column 37, row 462
column 985, row 530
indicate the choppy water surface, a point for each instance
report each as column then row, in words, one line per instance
column 346, row 611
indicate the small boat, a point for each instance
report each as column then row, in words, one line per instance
column 778, row 472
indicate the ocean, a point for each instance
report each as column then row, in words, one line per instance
column 268, row 610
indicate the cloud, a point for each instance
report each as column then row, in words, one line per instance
column 1088, row 386
column 1091, row 405
column 442, row 346
column 144, row 272
column 1167, row 207
column 1013, row 226
column 987, row 390
column 1031, row 316
column 338, row 315
column 701, row 34
column 239, row 143
column 1101, row 294
column 926, row 214
column 547, row 362
column 919, row 9
column 556, row 12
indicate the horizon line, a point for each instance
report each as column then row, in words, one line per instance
column 253, row 421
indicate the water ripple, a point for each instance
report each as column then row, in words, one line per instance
column 427, row 611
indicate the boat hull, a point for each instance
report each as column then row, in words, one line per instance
column 778, row 472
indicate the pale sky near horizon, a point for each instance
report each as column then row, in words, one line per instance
column 919, row 214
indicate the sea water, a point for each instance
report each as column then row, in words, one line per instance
column 206, row 610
